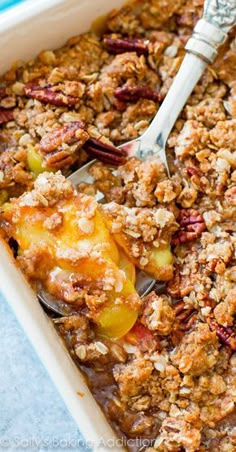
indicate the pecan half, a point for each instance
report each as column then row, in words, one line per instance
column 117, row 45
column 70, row 133
column 134, row 93
column 47, row 95
column 105, row 152
column 60, row 145
column 5, row 115
column 185, row 317
column 191, row 226
column 226, row 334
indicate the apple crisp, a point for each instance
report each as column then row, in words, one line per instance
column 162, row 367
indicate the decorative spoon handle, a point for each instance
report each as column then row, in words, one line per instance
column 221, row 13
column 209, row 33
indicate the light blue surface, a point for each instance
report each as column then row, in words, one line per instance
column 4, row 4
column 32, row 414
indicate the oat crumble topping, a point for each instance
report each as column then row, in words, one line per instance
column 166, row 371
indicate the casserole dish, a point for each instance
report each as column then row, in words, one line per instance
column 60, row 20
column 156, row 365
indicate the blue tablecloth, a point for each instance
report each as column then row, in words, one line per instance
column 32, row 413
column 4, row 4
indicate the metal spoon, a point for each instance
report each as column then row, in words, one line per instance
column 208, row 34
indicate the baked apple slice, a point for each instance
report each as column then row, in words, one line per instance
column 65, row 247
column 144, row 235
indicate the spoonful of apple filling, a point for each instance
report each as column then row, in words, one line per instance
column 83, row 256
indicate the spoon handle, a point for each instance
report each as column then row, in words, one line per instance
column 187, row 77
column 221, row 13
column 208, row 34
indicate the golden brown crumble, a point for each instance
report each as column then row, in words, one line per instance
column 171, row 378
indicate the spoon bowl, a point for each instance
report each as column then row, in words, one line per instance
column 144, row 283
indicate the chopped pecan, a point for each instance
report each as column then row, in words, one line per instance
column 184, row 320
column 70, row 133
column 185, row 317
column 180, row 285
column 5, row 115
column 178, row 307
column 187, row 325
column 134, row 93
column 189, row 216
column 49, row 96
column 226, row 334
column 191, row 226
column 117, row 45
column 105, row 152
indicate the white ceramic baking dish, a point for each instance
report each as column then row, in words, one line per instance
column 24, row 31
